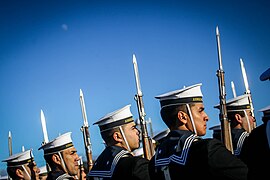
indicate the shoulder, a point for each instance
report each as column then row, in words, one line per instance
column 133, row 160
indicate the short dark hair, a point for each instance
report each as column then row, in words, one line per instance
column 231, row 117
column 107, row 135
column 12, row 172
column 169, row 114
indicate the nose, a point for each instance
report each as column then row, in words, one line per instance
column 206, row 117
column 138, row 131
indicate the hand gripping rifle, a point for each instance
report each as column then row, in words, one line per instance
column 45, row 134
column 86, row 135
column 225, row 123
column 247, row 88
column 148, row 147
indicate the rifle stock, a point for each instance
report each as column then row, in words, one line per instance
column 87, row 147
column 225, row 123
column 148, row 147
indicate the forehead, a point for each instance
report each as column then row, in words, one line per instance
column 197, row 105
column 130, row 124
column 71, row 149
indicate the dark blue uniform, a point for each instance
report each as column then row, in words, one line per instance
column 258, row 153
column 187, row 156
column 117, row 163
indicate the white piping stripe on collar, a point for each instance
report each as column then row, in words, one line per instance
column 114, row 163
column 240, row 143
column 177, row 159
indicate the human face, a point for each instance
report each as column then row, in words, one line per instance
column 132, row 135
column 71, row 159
column 200, row 118
column 32, row 171
column 248, row 120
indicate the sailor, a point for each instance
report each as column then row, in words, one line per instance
column 62, row 157
column 184, row 154
column 241, row 121
column 259, row 148
column 121, row 136
column 22, row 166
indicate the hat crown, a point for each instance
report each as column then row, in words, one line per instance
column 119, row 114
column 20, row 157
column 190, row 94
column 60, row 143
column 238, row 103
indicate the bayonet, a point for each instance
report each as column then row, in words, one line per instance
column 45, row 134
column 233, row 89
column 44, row 128
column 85, row 121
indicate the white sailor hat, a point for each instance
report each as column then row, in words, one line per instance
column 266, row 111
column 20, row 158
column 191, row 94
column 60, row 143
column 238, row 103
column 43, row 170
column 115, row 119
column 161, row 134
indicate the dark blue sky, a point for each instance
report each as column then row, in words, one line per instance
column 51, row 49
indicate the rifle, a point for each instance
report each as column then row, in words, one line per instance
column 9, row 148
column 45, row 134
column 148, row 147
column 247, row 88
column 9, row 143
column 86, row 135
column 225, row 122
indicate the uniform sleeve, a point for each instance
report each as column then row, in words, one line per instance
column 223, row 162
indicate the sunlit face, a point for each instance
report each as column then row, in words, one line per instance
column 200, row 118
column 132, row 135
column 71, row 159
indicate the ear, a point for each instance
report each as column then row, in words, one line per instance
column 117, row 136
column 238, row 118
column 56, row 159
column 19, row 173
column 182, row 117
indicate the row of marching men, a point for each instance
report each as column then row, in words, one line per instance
column 182, row 153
